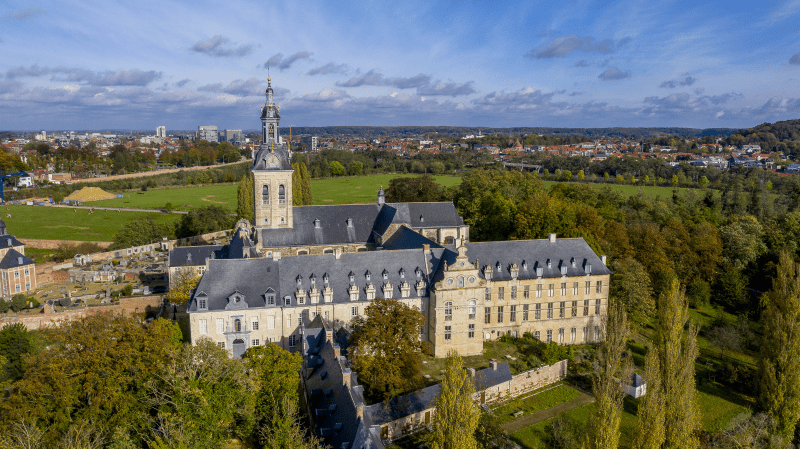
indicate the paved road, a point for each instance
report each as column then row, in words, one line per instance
column 533, row 418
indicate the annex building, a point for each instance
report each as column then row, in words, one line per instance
column 296, row 263
column 17, row 271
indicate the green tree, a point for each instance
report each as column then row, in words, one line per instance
column 416, row 189
column 703, row 182
column 244, row 198
column 742, row 241
column 674, row 180
column 140, row 231
column 289, row 434
column 355, row 168
column 305, row 176
column 631, row 287
column 677, row 351
column 180, row 289
column 337, row 169
column 779, row 362
column 650, row 431
column 386, row 349
column 609, row 368
column 605, row 176
column 204, row 220
column 297, row 186
column 581, row 175
column 15, row 342
column 457, row 414
column 620, row 179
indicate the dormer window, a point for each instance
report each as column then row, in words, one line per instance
column 572, row 262
column 385, row 275
column 313, row 280
column 402, row 273
column 299, row 281
column 525, row 265
column 325, row 278
column 352, row 277
column 349, row 222
column 317, row 223
column 421, row 219
column 499, row 267
column 367, row 275
column 549, row 263
column 419, row 273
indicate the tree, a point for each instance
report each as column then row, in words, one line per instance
column 703, row 182
column 203, row 221
column 15, row 342
column 181, row 287
column 650, row 432
column 742, row 241
column 415, row 189
column 677, row 350
column 337, row 169
column 724, row 337
column 355, row 168
column 297, row 186
column 140, row 231
column 779, row 364
column 290, row 434
column 457, row 414
column 305, row 178
column 386, row 348
column 244, row 198
column 674, row 180
column 631, row 287
column 581, row 175
column 609, row 369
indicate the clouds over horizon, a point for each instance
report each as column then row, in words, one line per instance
column 282, row 63
column 328, row 69
column 221, row 47
column 671, row 84
column 119, row 77
column 614, row 74
column 23, row 14
column 562, row 46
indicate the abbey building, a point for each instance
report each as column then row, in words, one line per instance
column 296, row 263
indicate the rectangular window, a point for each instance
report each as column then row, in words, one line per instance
column 537, row 335
column 514, row 292
column 256, row 342
column 575, row 288
column 220, row 325
column 16, row 274
column 500, row 314
column 271, row 300
column 27, row 272
column 500, row 293
column 201, row 303
column 221, row 344
column 597, row 306
column 597, row 332
column 561, row 335
column 354, row 311
column 488, row 296
column 203, row 326
column 287, row 301
column 550, row 293
column 574, row 308
column 301, row 299
column 471, row 333
column 326, row 315
column 17, row 287
column 270, row 322
column 288, row 321
column 487, row 317
column 293, row 340
column 588, row 287
column 549, row 335
column 561, row 309
column 300, row 320
column 573, row 333
column 537, row 315
column 513, row 314
column 527, row 292
column 539, row 291
column 27, row 286
column 585, row 333
column 549, row 310
column 563, row 289
column 525, row 312
column 599, row 287
column 254, row 323
column 585, row 307
column 447, row 333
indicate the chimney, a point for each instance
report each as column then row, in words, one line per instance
column 493, row 364
column 426, row 247
column 276, row 255
column 337, row 352
column 552, row 238
column 346, row 375
column 337, row 252
column 317, row 224
column 360, row 410
column 603, row 259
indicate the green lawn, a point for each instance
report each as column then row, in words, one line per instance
column 58, row 223
column 549, row 397
column 182, row 198
column 361, row 189
column 535, row 436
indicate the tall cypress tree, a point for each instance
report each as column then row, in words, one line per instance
column 244, row 198
column 780, row 351
column 305, row 177
column 457, row 414
column 650, row 434
column 297, row 186
column 604, row 423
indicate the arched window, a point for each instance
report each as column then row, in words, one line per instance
column 237, row 325
column 281, row 194
column 471, row 309
column 265, row 195
column 448, row 311
column 271, row 131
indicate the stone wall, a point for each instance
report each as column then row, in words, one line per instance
column 47, row 317
column 537, row 378
column 54, row 244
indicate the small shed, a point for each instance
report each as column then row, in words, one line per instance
column 636, row 386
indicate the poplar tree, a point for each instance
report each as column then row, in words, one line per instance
column 297, row 185
column 780, row 352
column 650, row 434
column 305, row 179
column 244, row 198
column 457, row 414
column 609, row 369
column 677, row 351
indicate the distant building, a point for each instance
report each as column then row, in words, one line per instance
column 17, row 272
column 26, row 180
column 233, row 136
column 161, row 132
column 208, row 133
column 311, row 141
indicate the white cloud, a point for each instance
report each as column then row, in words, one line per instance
column 221, row 47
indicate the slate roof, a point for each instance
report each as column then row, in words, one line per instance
column 368, row 221
column 425, row 398
column 530, row 255
column 12, row 260
column 405, row 238
column 252, row 277
column 191, row 256
column 331, row 401
column 281, row 151
column 9, row 241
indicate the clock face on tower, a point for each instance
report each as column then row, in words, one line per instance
column 272, row 160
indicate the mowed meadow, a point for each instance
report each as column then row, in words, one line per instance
column 57, row 223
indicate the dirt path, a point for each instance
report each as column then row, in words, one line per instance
column 151, row 173
column 533, row 418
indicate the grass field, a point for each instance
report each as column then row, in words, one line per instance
column 536, row 402
column 535, row 436
column 183, row 198
column 363, row 189
column 58, row 223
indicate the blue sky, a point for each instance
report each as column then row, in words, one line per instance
column 94, row 64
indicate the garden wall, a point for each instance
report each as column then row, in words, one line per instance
column 48, row 317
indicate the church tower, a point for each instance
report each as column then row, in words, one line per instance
column 272, row 172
